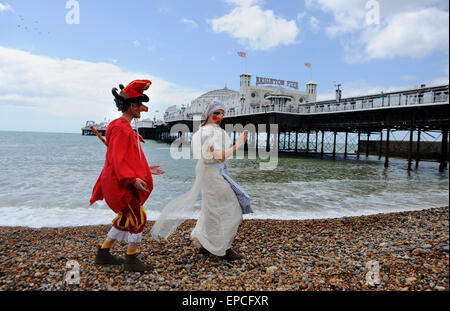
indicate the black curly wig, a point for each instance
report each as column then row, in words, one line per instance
column 123, row 104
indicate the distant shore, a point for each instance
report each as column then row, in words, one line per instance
column 411, row 249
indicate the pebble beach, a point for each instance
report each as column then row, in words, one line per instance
column 411, row 251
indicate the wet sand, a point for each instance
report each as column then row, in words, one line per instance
column 411, row 249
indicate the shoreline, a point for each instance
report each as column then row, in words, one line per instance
column 150, row 221
column 410, row 247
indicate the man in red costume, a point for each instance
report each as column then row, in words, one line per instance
column 125, row 182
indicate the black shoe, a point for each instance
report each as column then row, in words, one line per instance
column 132, row 263
column 232, row 255
column 203, row 251
column 104, row 257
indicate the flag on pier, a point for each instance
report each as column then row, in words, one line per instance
column 242, row 54
column 308, row 65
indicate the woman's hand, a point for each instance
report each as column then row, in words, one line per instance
column 242, row 138
column 141, row 185
column 155, row 170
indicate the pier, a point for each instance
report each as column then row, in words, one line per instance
column 413, row 124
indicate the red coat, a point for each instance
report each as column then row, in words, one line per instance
column 122, row 167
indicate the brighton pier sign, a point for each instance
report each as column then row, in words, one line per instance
column 290, row 84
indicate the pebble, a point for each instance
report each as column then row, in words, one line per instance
column 315, row 254
column 410, row 280
column 418, row 251
column 271, row 269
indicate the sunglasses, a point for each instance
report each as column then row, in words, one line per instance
column 216, row 113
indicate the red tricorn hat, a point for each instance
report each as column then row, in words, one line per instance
column 134, row 92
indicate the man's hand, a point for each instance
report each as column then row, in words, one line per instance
column 155, row 170
column 141, row 185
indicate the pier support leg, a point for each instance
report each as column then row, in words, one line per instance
column 257, row 138
column 443, row 164
column 317, row 134
column 296, row 141
column 386, row 158
column 289, row 141
column 418, row 148
column 359, row 144
column 346, row 143
column 246, row 145
column 380, row 151
column 411, row 133
column 268, row 138
column 307, row 142
column 367, row 145
column 321, row 148
column 334, row 144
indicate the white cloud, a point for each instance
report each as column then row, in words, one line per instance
column 411, row 28
column 300, row 17
column 255, row 28
column 68, row 87
column 314, row 24
column 413, row 34
column 244, row 3
column 5, row 7
column 136, row 43
column 189, row 22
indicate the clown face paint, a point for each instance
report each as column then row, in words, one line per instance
column 217, row 116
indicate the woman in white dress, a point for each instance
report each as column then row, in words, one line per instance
column 220, row 213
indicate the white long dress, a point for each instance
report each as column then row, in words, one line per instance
column 220, row 213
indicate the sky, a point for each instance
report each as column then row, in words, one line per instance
column 59, row 59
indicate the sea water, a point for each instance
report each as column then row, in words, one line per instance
column 46, row 180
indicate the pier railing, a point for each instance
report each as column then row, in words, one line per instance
column 429, row 96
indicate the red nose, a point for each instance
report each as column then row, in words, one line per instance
column 144, row 108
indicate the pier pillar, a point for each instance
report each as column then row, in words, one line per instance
column 346, row 143
column 289, row 141
column 386, row 157
column 411, row 133
column 380, row 151
column 246, row 142
column 443, row 164
column 321, row 148
column 418, row 148
column 307, row 142
column 257, row 138
column 334, row 144
column 268, row 137
column 296, row 141
column 359, row 144
column 317, row 134
column 367, row 145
